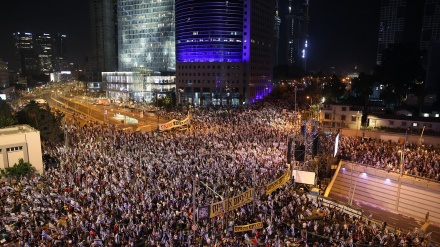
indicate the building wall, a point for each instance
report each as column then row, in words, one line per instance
column 340, row 116
column 103, row 37
column 4, row 74
column 146, row 35
column 297, row 22
column 224, row 64
column 406, row 195
column 394, row 137
column 20, row 142
column 136, row 86
column 404, row 124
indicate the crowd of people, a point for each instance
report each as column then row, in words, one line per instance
column 115, row 188
column 418, row 160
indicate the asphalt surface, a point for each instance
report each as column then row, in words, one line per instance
column 393, row 219
column 147, row 121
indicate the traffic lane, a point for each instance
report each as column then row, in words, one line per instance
column 404, row 222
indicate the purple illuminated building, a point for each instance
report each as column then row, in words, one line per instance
column 224, row 51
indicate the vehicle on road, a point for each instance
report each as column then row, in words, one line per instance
column 105, row 102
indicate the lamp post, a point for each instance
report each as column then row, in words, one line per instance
column 311, row 100
column 354, row 188
column 157, row 111
column 311, row 109
column 402, row 160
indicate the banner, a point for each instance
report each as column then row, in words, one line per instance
column 203, row 212
column 278, row 182
column 235, row 202
column 249, row 227
column 175, row 123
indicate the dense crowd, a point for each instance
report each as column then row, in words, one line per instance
column 420, row 161
column 115, row 188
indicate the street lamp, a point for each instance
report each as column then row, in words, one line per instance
column 402, row 160
column 311, row 109
column 311, row 100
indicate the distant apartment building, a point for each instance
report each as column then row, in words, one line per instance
column 404, row 122
column 4, row 74
column 39, row 53
column 340, row 116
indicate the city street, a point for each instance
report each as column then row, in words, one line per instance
column 393, row 219
column 123, row 117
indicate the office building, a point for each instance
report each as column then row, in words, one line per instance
column 400, row 22
column 276, row 33
column 430, row 44
column 224, row 51
column 146, row 35
column 4, row 74
column 296, row 32
column 43, row 48
column 103, row 55
column 139, row 85
column 40, row 53
column 60, row 62
column 27, row 60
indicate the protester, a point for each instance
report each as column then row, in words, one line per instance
column 115, row 188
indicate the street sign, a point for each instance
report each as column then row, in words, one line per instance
column 194, row 227
column 106, row 111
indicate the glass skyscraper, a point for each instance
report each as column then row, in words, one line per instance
column 146, row 35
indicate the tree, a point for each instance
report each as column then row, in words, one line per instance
column 19, row 170
column 362, row 87
column 334, row 89
column 7, row 117
column 44, row 120
column 399, row 70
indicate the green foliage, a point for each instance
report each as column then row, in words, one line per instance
column 44, row 120
column 7, row 117
column 334, row 89
column 19, row 170
column 363, row 88
column 400, row 68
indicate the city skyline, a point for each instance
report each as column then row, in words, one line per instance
column 342, row 34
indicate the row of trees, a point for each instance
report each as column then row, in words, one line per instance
column 400, row 72
column 38, row 116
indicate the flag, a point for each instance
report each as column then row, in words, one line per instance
column 97, row 242
column 46, row 236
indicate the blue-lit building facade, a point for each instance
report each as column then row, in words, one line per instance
column 224, row 51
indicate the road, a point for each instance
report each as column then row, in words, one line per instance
column 393, row 219
column 123, row 118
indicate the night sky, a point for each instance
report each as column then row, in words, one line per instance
column 343, row 33
column 70, row 17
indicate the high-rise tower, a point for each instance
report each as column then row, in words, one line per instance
column 146, row 35
column 103, row 38
column 297, row 25
column 400, row 22
column 27, row 60
column 44, row 43
column 224, row 51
